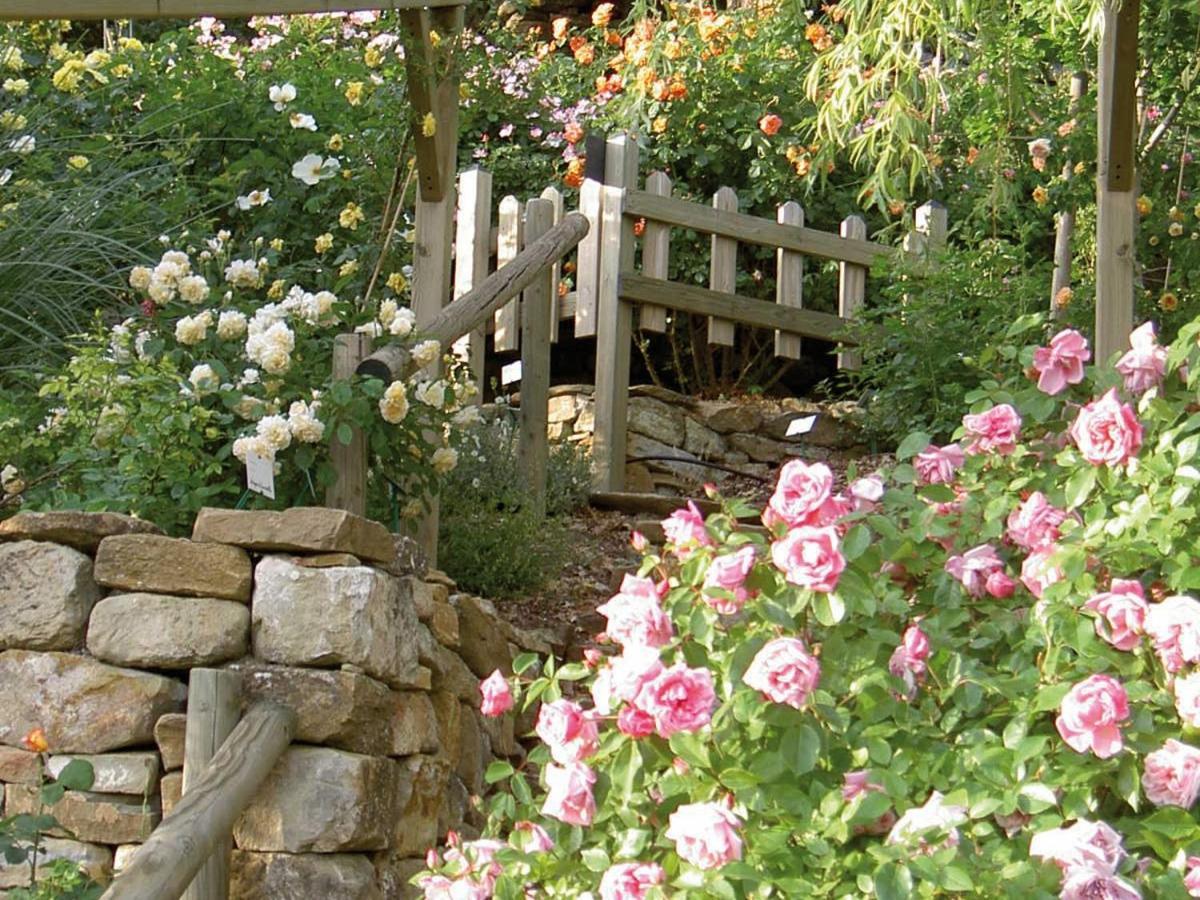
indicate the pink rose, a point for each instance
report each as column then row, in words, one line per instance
column 784, row 671
column 568, row 730
column 1122, row 612
column 1174, row 626
column 1091, row 716
column 1187, row 699
column 801, row 491
column 705, row 834
column 999, row 585
column 1107, row 431
column 810, row 558
column 1191, row 880
column 935, row 815
column 937, row 465
column 1085, row 845
column 679, row 699
column 1034, row 524
column 530, row 837
column 974, row 567
column 728, row 573
column 1145, row 365
column 1062, row 362
column 569, row 793
column 635, row 618
column 997, row 430
column 856, row 783
column 685, row 530
column 635, row 723
column 866, row 492
column 1039, row 571
column 624, row 678
column 908, row 659
column 1088, row 884
column 497, row 697
column 630, row 881
column 1172, row 775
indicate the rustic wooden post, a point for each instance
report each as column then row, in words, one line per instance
column 214, row 707
column 852, row 288
column 555, row 197
column 471, row 259
column 789, row 279
column 349, row 490
column 508, row 245
column 535, row 363
column 722, row 270
column 587, row 259
column 932, row 221
column 614, row 335
column 656, row 254
column 1064, row 224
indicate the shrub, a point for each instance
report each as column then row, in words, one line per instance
column 945, row 682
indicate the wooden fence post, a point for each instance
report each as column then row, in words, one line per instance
column 852, row 288
column 587, row 259
column 555, row 197
column 789, row 280
column 214, row 707
column 614, row 335
column 349, row 491
column 471, row 259
column 508, row 244
column 535, row 362
column 656, row 254
column 932, row 220
column 722, row 270
column 1064, row 225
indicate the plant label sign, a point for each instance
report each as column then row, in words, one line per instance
column 511, row 373
column 802, row 425
column 260, row 475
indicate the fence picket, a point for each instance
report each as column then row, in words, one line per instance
column 722, row 272
column 789, row 280
column 554, row 195
column 852, row 288
column 614, row 335
column 587, row 260
column 508, row 245
column 471, row 259
column 656, row 254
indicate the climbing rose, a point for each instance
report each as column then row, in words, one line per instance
column 1172, row 775
column 1039, row 571
column 1187, row 699
column 569, row 793
column 630, row 881
column 1088, row 884
column 497, row 698
column 705, row 834
column 974, row 568
column 1034, row 524
column 635, row 618
column 568, row 730
column 685, row 530
column 728, row 573
column 810, row 557
column 800, row 492
column 1145, row 363
column 1122, row 613
column 679, row 699
column 997, row 429
column 1085, row 845
column 866, row 492
column 1107, row 431
column 530, row 837
column 935, row 814
column 785, row 672
column 770, row 124
column 937, row 465
column 1062, row 362
column 635, row 723
column 1174, row 626
column 1091, row 715
column 624, row 678
column 908, row 659
column 999, row 585
column 856, row 783
column 1191, row 881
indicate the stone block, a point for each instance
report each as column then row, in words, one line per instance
column 115, row 773
column 327, row 617
column 482, row 642
column 20, row 766
column 585, row 422
column 90, row 816
column 311, row 529
column 726, row 418
column 563, row 408
column 83, row 706
column 420, row 594
column 761, row 449
column 394, row 872
column 163, row 565
column 81, row 530
column 46, row 594
column 123, row 855
column 170, row 789
column 333, row 707
column 410, row 557
column 321, row 800
column 414, row 724
column 169, row 734
column 656, row 420
column 97, row 861
column 501, row 732
column 702, row 441
column 455, row 806
column 450, row 673
column 472, row 755
column 420, row 789
column 444, row 625
column 326, row 560
column 447, row 711
column 330, row 876
column 640, row 446
column 155, row 631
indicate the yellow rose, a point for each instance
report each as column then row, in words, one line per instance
column 323, row 242
column 354, row 93
column 372, row 57
column 397, row 282
column 78, row 162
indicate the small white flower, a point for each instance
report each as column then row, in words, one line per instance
column 24, row 145
column 387, row 312
column 304, row 424
column 467, row 416
column 313, row 168
column 256, row 444
column 249, row 376
column 10, row 480
column 393, row 405
column 303, row 120
column 281, row 95
column 431, row 393
column 139, row 278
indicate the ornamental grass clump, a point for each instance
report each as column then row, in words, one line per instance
column 973, row 674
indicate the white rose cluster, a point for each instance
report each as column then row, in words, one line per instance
column 303, row 422
column 172, row 277
column 395, row 319
column 444, row 460
column 243, row 274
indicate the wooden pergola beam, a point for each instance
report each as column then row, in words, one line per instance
column 17, row 10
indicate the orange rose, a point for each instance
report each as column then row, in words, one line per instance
column 585, row 54
column 972, row 155
column 573, row 132
column 814, row 32
column 639, row 227
column 613, row 39
column 576, row 42
column 770, row 124
column 559, row 27
column 677, row 90
column 659, row 91
column 602, row 15
column 574, row 176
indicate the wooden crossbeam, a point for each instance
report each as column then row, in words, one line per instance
column 17, row 10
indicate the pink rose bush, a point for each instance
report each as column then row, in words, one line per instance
column 946, row 678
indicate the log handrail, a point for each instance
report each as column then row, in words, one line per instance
column 392, row 362
column 165, row 865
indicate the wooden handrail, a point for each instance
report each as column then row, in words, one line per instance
column 190, row 9
column 178, row 847
column 392, row 362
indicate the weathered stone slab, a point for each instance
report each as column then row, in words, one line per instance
column 97, row 861
column 336, row 876
column 83, row 706
column 421, row 786
column 394, row 872
column 46, row 594
column 481, row 640
column 727, row 418
column 410, row 557
column 89, row 816
column 414, row 724
column 563, row 408
column 333, row 707
column 444, row 625
column 170, row 790
column 472, row 758
column 656, row 420
column 163, row 565
column 313, row 529
column 420, row 594
column 160, row 632
column 702, row 441
column 327, row 617
column 449, row 672
column 326, row 560
column 321, row 800
column 81, row 530
column 447, row 710
column 115, row 773
column 169, row 733
column 437, row 576
column 501, row 734
column 639, row 446
column 761, row 449
column 123, row 856
column 20, row 766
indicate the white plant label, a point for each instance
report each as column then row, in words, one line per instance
column 260, row 475
column 510, row 373
column 802, row 425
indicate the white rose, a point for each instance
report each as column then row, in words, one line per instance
column 139, row 278
column 203, row 378
column 274, row 430
column 281, row 95
column 193, row 289
column 426, row 352
column 231, row 325
column 402, row 323
column 444, row 460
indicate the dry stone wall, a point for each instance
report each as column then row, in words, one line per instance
column 102, row 616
